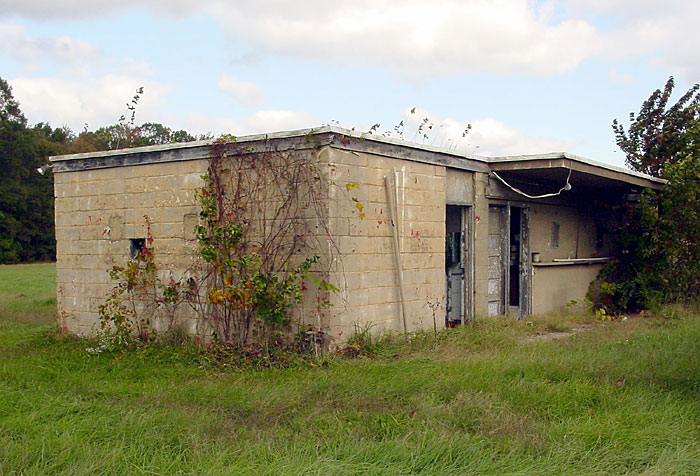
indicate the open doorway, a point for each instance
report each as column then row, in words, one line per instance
column 509, row 268
column 514, row 262
column 457, row 265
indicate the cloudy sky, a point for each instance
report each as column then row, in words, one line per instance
column 529, row 76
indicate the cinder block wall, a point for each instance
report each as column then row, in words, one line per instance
column 365, row 268
column 99, row 211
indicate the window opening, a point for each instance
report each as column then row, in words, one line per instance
column 136, row 246
column 555, row 235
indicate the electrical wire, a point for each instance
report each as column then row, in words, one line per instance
column 567, row 186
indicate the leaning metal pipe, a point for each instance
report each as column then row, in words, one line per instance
column 391, row 200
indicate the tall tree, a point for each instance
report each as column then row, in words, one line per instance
column 9, row 108
column 659, row 135
column 659, row 240
column 26, row 197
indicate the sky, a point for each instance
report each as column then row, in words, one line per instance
column 529, row 76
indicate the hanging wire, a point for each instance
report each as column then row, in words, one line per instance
column 567, row 186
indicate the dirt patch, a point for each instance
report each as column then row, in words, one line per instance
column 550, row 336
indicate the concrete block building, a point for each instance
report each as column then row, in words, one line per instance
column 463, row 234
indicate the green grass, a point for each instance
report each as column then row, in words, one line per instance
column 622, row 398
column 28, row 292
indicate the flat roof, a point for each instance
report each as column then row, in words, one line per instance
column 364, row 142
column 272, row 135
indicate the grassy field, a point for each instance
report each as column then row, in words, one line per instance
column 620, row 398
column 28, row 292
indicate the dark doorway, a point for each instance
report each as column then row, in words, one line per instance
column 514, row 258
column 457, row 265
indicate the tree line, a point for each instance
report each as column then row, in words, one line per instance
column 26, row 196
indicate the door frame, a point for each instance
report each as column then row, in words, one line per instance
column 467, row 256
column 525, row 258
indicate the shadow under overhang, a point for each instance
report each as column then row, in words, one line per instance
column 547, row 174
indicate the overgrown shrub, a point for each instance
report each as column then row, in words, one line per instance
column 658, row 258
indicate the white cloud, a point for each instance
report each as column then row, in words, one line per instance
column 493, row 137
column 487, row 136
column 667, row 31
column 87, row 87
column 627, row 9
column 417, row 38
column 420, row 38
column 269, row 121
column 37, row 54
column 197, row 123
column 76, row 55
column 72, row 9
column 95, row 101
column 245, row 92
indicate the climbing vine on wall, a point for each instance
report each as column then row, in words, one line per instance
column 262, row 240
column 260, row 236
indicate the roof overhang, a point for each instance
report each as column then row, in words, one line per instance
column 552, row 170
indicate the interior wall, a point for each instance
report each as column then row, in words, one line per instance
column 578, row 232
column 554, row 285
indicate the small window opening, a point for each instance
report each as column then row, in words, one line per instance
column 136, row 246
column 555, row 234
